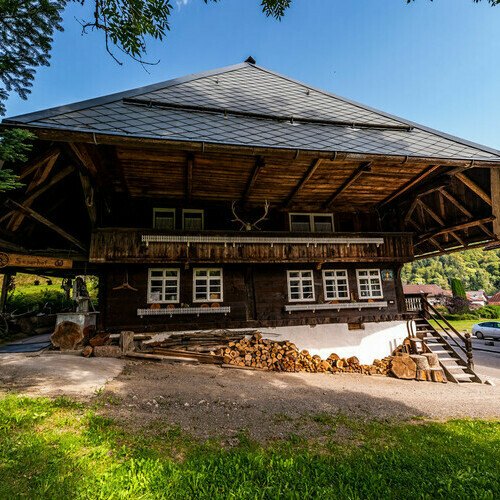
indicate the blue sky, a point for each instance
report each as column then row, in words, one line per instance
column 434, row 63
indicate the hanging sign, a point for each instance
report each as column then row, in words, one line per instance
column 19, row 260
column 387, row 274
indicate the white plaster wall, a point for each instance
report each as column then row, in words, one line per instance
column 376, row 341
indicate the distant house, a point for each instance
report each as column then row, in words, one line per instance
column 477, row 299
column 435, row 294
column 495, row 300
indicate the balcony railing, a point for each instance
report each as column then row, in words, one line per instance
column 152, row 246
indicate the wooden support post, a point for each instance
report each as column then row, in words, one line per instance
column 127, row 342
column 28, row 212
column 305, row 179
column 89, row 194
column 495, row 199
column 5, row 284
column 364, row 167
column 31, row 166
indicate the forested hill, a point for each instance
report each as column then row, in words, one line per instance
column 476, row 268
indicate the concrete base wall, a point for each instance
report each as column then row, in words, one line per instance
column 376, row 341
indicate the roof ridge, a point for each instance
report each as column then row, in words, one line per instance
column 384, row 114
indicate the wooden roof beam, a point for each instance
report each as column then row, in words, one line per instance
column 258, row 166
column 420, row 177
column 429, row 255
column 438, row 219
column 432, row 240
column 456, row 227
column 474, row 187
column 35, row 163
column 305, row 179
column 28, row 212
column 463, row 209
column 363, row 168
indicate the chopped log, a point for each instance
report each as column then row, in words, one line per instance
column 423, row 375
column 403, row 367
column 353, row 360
column 421, row 362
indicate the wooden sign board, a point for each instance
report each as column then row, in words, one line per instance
column 19, row 260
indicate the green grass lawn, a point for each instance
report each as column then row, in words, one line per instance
column 462, row 326
column 64, row 450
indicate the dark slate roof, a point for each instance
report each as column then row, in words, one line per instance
column 249, row 105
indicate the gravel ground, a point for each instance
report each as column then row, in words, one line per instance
column 207, row 400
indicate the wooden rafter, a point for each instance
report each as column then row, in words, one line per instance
column 258, row 166
column 447, row 251
column 474, row 187
column 363, row 168
column 83, row 156
column 456, row 227
column 28, row 200
column 35, row 163
column 463, row 209
column 28, row 212
column 420, row 177
column 432, row 240
column 440, row 221
column 305, row 179
column 89, row 194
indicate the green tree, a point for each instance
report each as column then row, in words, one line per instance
column 457, row 288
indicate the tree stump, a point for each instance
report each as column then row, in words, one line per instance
column 437, row 375
column 127, row 342
column 403, row 367
column 433, row 359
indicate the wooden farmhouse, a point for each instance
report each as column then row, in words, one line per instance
column 240, row 198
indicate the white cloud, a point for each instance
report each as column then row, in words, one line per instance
column 180, row 3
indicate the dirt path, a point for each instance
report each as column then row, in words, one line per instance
column 207, row 400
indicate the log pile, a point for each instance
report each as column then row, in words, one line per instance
column 238, row 351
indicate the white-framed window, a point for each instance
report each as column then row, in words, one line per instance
column 193, row 220
column 207, row 285
column 311, row 223
column 335, row 284
column 164, row 218
column 300, row 286
column 163, row 286
column 369, row 283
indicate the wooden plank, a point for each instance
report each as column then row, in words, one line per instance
column 189, row 177
column 474, row 187
column 305, row 179
column 495, row 199
column 28, row 212
column 20, row 260
column 429, row 170
column 259, row 165
column 364, row 167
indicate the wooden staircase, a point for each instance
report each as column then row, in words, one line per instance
column 453, row 349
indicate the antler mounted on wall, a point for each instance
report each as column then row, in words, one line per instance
column 250, row 226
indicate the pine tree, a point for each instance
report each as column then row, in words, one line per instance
column 457, row 288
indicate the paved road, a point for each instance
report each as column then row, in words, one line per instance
column 487, row 358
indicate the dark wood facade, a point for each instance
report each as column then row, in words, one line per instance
column 91, row 191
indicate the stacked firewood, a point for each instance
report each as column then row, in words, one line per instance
column 238, row 351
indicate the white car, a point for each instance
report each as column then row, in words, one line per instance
column 486, row 329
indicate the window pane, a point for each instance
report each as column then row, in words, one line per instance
column 200, row 273
column 171, row 272
column 164, row 220
column 323, row 223
column 214, row 272
column 301, row 223
column 155, row 274
column 193, row 221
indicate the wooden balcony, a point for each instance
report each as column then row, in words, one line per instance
column 152, row 246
